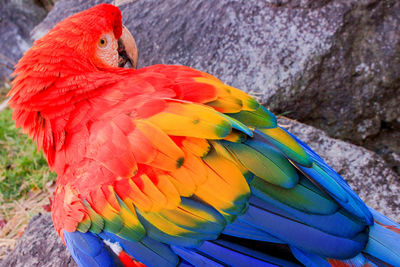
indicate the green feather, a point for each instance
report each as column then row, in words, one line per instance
column 261, row 118
column 84, row 226
column 302, row 196
column 195, row 216
column 238, row 125
column 97, row 222
column 284, row 142
column 133, row 233
column 265, row 162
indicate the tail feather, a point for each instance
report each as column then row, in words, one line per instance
column 384, row 240
column 227, row 252
column 244, row 230
column 236, row 255
column 358, row 261
column 355, row 205
column 310, row 245
column 313, row 260
column 310, row 259
column 325, row 222
column 293, row 232
column 196, row 259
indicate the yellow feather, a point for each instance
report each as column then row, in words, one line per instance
column 163, row 224
column 149, row 189
column 169, row 156
column 183, row 182
column 197, row 146
column 196, row 168
column 227, row 104
column 138, row 198
column 169, row 190
column 236, row 137
column 248, row 103
column 224, row 185
column 228, row 171
column 194, row 121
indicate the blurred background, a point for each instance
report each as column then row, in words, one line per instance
column 331, row 64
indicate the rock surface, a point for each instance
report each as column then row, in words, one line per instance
column 331, row 64
column 61, row 10
column 18, row 17
column 365, row 171
column 39, row 246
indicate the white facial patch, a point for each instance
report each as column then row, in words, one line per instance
column 107, row 49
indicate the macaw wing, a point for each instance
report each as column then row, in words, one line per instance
column 210, row 164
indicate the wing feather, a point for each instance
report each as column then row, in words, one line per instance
column 189, row 167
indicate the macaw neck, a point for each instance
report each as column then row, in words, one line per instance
column 43, row 107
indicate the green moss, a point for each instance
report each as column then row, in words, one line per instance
column 22, row 168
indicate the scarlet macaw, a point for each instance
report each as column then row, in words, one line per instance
column 166, row 165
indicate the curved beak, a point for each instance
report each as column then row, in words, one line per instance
column 127, row 50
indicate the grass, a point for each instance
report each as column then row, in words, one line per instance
column 22, row 168
column 24, row 181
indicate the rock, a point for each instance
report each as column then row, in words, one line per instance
column 365, row 171
column 61, row 10
column 331, row 64
column 39, row 246
column 18, row 17
column 386, row 144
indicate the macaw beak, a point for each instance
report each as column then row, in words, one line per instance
column 127, row 50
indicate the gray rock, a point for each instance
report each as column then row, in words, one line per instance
column 331, row 64
column 39, row 246
column 61, row 10
column 17, row 19
column 366, row 172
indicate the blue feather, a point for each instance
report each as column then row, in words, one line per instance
column 147, row 251
column 384, row 243
column 303, row 236
column 184, row 263
column 87, row 249
column 302, row 196
column 327, row 223
column 196, row 259
column 339, row 190
column 244, row 230
column 310, row 259
column 226, row 253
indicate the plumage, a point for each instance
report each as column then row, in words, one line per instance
column 168, row 166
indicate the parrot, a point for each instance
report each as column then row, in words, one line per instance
column 166, row 165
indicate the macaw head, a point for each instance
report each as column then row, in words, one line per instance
column 80, row 54
column 97, row 35
column 89, row 41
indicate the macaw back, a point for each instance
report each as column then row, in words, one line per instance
column 168, row 166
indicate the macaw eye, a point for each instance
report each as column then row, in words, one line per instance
column 102, row 42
